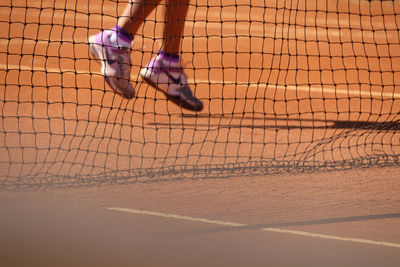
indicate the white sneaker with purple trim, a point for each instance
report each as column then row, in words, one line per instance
column 115, row 63
column 169, row 78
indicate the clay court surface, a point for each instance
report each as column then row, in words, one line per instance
column 320, row 218
column 195, row 222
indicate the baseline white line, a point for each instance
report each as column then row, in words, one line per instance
column 309, row 89
column 43, row 69
column 322, row 90
column 277, row 230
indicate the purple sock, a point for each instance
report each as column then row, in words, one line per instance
column 123, row 34
column 171, row 57
column 121, row 37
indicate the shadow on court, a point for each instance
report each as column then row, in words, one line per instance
column 285, row 123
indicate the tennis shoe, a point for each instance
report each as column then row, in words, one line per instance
column 115, row 63
column 169, row 78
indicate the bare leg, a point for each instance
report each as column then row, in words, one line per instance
column 175, row 15
column 135, row 13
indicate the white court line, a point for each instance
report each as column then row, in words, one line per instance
column 47, row 70
column 307, row 89
column 277, row 230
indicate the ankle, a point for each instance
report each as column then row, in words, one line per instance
column 120, row 37
column 168, row 57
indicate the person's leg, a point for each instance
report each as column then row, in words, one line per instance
column 164, row 71
column 135, row 14
column 112, row 47
column 175, row 15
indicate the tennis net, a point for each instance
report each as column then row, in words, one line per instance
column 287, row 86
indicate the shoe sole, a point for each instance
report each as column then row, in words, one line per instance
column 178, row 101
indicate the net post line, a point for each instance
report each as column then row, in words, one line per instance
column 325, row 28
column 201, row 11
